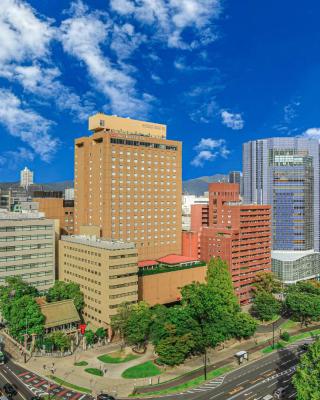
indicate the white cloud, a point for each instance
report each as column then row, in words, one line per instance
column 209, row 149
column 312, row 133
column 125, row 40
column 22, row 35
column 27, row 125
column 232, row 120
column 170, row 18
column 204, row 112
column 12, row 159
column 113, row 80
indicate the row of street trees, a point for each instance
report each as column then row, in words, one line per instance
column 208, row 315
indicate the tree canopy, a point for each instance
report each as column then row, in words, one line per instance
column 267, row 282
column 265, row 306
column 66, row 290
column 306, row 379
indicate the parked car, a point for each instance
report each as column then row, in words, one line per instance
column 9, row 389
column 105, row 396
column 267, row 397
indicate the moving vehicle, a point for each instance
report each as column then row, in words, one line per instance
column 279, row 393
column 9, row 389
column 267, row 397
column 105, row 396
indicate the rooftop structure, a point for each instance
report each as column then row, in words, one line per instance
column 60, row 315
column 94, row 241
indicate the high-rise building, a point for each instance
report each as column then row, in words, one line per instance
column 106, row 272
column 27, row 245
column 284, row 172
column 239, row 234
column 236, row 177
column 26, row 177
column 128, row 183
column 69, row 194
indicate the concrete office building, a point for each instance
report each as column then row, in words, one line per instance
column 26, row 177
column 27, row 248
column 105, row 270
column 239, row 234
column 284, row 172
column 128, row 182
column 55, row 207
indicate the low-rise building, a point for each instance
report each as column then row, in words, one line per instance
column 27, row 248
column 294, row 266
column 160, row 281
column 106, row 271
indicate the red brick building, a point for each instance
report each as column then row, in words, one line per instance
column 239, row 234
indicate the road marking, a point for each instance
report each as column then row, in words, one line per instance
column 10, row 384
column 235, row 390
column 212, row 397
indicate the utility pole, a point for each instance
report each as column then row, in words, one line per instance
column 205, row 363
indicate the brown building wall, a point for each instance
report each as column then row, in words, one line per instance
column 164, row 288
column 199, row 216
column 191, row 244
column 54, row 209
column 130, row 186
column 239, row 234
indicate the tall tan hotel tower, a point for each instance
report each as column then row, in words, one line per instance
column 128, row 183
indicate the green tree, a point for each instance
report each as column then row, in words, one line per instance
column 306, row 379
column 267, row 282
column 173, row 349
column 14, row 289
column 89, row 335
column 265, row 306
column 119, row 321
column 25, row 317
column 100, row 333
column 304, row 306
column 60, row 340
column 138, row 324
column 64, row 291
column 244, row 326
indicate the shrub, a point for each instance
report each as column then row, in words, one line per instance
column 285, row 336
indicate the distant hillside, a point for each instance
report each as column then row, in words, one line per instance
column 199, row 185
column 195, row 186
column 57, row 186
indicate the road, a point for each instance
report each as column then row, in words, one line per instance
column 250, row 382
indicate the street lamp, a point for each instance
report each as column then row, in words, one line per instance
column 273, row 334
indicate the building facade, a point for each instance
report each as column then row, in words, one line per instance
column 106, row 272
column 239, row 234
column 58, row 208
column 294, row 266
column 128, row 182
column 187, row 202
column 160, row 281
column 26, row 177
column 284, row 172
column 27, row 248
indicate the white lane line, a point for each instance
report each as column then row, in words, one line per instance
column 20, row 394
column 274, row 383
column 212, row 397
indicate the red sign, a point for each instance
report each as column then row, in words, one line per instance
column 82, row 328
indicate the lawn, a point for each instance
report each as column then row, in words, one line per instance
column 81, row 363
column 288, row 325
column 70, row 385
column 192, row 383
column 145, row 370
column 117, row 358
column 94, row 371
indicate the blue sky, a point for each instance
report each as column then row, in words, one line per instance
column 217, row 72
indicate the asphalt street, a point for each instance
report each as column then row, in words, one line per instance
column 252, row 381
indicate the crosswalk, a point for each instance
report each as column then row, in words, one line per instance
column 213, row 383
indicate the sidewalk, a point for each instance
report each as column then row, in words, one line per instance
column 112, row 382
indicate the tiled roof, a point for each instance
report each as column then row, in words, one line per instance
column 176, row 259
column 59, row 313
column 147, row 263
